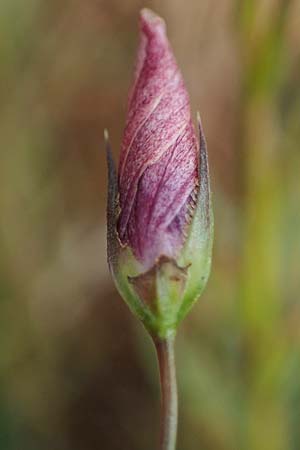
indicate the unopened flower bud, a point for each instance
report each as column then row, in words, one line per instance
column 160, row 221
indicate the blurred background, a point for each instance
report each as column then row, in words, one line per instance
column 77, row 371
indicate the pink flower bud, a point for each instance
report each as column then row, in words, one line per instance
column 158, row 170
column 159, row 215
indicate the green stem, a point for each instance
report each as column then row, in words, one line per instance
column 169, row 405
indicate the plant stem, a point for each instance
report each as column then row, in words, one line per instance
column 169, row 404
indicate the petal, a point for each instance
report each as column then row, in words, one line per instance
column 158, row 162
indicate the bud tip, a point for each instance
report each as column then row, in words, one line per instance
column 150, row 16
column 151, row 20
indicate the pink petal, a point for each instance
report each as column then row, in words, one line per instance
column 158, row 163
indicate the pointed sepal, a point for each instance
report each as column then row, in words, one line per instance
column 121, row 261
column 197, row 251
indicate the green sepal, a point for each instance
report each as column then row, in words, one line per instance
column 161, row 289
column 121, row 261
column 197, row 250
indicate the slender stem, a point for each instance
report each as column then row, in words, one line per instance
column 169, row 404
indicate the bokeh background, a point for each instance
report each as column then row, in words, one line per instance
column 77, row 371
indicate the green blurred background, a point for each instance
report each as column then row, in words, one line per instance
column 77, row 371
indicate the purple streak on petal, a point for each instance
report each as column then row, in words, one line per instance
column 158, row 163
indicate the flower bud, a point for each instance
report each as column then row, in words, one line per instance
column 160, row 223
